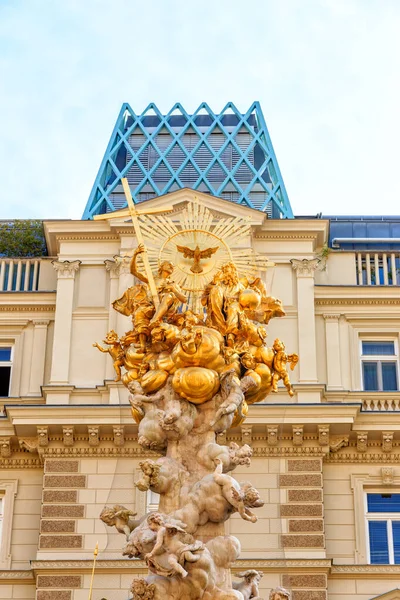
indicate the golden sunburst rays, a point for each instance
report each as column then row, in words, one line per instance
column 194, row 227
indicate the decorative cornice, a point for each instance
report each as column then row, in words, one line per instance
column 104, row 237
column 363, row 570
column 21, row 462
column 364, row 457
column 16, row 575
column 357, row 302
column 298, row 451
column 135, row 564
column 27, row 308
column 289, row 235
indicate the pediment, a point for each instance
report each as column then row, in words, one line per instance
column 392, row 595
column 179, row 199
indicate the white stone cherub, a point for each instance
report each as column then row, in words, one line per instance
column 249, row 584
column 173, row 540
column 279, row 366
column 280, row 593
column 121, row 518
column 236, row 494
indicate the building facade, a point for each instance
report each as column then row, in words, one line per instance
column 326, row 460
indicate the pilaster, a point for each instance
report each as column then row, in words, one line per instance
column 66, row 272
column 36, row 377
column 333, row 359
column 305, row 271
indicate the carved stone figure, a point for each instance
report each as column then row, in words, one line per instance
column 280, row 593
column 230, row 456
column 175, row 543
column 121, row 518
column 249, row 586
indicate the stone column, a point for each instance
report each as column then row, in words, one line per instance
column 36, row 377
column 333, row 360
column 305, row 270
column 66, row 272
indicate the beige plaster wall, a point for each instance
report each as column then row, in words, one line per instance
column 262, row 539
column 339, row 509
column 361, row 589
column 26, row 517
column 21, row 591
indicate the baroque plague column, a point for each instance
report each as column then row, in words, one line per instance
column 195, row 358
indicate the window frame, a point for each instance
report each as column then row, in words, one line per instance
column 9, row 363
column 8, row 492
column 379, row 359
column 386, row 517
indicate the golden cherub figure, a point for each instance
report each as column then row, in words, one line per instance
column 115, row 351
column 197, row 256
column 279, row 366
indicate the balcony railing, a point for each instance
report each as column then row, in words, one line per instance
column 378, row 268
column 19, row 274
column 381, row 404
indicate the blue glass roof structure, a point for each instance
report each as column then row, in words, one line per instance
column 228, row 155
column 364, row 232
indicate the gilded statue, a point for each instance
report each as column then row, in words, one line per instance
column 197, row 256
column 194, row 365
column 279, row 366
column 137, row 303
column 115, row 351
column 171, row 295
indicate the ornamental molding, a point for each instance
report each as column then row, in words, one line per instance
column 27, row 307
column 66, row 269
column 353, row 457
column 132, row 564
column 357, row 302
column 285, row 236
column 23, row 462
column 288, row 451
column 15, row 575
column 305, row 267
column 105, row 237
column 362, row 570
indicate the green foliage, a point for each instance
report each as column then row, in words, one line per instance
column 21, row 238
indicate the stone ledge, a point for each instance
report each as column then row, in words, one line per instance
column 52, row 496
column 64, row 481
column 305, row 465
column 305, row 495
column 307, row 480
column 60, row 541
column 306, row 580
column 53, row 595
column 309, row 595
column 62, row 511
column 301, row 510
column 302, row 541
column 59, row 581
column 305, row 525
column 50, row 526
column 61, row 466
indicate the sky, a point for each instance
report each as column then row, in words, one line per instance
column 326, row 72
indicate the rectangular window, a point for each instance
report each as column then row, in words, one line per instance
column 379, row 362
column 383, row 520
column 5, row 370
